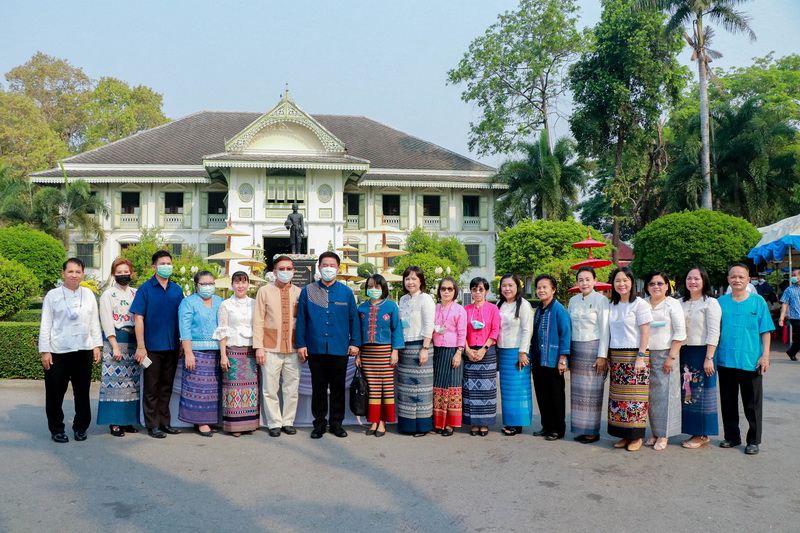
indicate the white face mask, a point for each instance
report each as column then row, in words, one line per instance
column 285, row 276
column 328, row 273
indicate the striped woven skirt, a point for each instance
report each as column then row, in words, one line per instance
column 448, row 383
column 586, row 388
column 665, row 397
column 480, row 389
column 516, row 396
column 627, row 395
column 199, row 403
column 377, row 367
column 698, row 394
column 414, row 390
column 119, row 383
column 240, row 391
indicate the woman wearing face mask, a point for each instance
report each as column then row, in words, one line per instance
column 120, row 377
column 449, row 336
column 588, row 313
column 480, row 366
column 197, row 314
column 414, row 380
column 382, row 338
column 240, row 391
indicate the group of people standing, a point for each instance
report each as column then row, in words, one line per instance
column 430, row 366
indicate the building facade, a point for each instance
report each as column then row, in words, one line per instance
column 348, row 175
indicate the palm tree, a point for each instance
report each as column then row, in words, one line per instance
column 545, row 184
column 683, row 13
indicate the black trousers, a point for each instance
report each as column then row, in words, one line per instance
column 550, row 397
column 749, row 382
column 75, row 368
column 327, row 372
column 795, row 347
column 157, row 389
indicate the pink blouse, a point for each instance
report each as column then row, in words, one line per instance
column 455, row 318
column 489, row 314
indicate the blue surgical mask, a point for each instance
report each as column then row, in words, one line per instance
column 477, row 324
column 793, row 279
column 328, row 273
column 405, row 322
column 375, row 294
column 754, row 282
column 164, row 271
column 206, row 291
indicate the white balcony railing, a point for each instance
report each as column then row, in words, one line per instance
column 352, row 222
column 173, row 221
column 129, row 221
column 471, row 224
column 392, row 220
column 217, row 221
column 432, row 223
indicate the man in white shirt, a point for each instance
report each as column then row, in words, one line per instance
column 69, row 339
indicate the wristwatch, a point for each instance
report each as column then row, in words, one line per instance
column 486, row 347
column 640, row 354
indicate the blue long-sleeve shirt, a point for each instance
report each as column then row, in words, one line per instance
column 327, row 319
column 198, row 322
column 380, row 324
column 552, row 333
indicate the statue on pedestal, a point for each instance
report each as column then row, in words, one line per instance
column 294, row 223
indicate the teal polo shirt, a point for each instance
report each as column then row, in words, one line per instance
column 740, row 331
column 159, row 307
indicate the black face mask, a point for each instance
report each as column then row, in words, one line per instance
column 123, row 280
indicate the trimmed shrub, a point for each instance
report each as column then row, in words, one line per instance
column 17, row 285
column 365, row 270
column 37, row 250
column 27, row 315
column 19, row 352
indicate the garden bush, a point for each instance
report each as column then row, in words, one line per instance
column 19, row 352
column 27, row 315
column 38, row 251
column 17, row 285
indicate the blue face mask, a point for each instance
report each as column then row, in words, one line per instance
column 375, row 294
column 206, row 291
column 793, row 279
column 477, row 324
column 754, row 282
column 405, row 322
column 164, row 271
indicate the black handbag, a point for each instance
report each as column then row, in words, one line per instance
column 359, row 394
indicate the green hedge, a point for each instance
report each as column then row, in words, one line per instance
column 19, row 353
column 28, row 315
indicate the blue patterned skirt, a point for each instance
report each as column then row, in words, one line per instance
column 200, row 389
column 516, row 396
column 480, row 390
column 119, row 383
column 414, row 390
column 698, row 394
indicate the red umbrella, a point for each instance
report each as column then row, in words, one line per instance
column 594, row 263
column 589, row 243
column 599, row 287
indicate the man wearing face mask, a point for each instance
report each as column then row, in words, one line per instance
column 328, row 330
column 276, row 355
column 157, row 343
column 791, row 305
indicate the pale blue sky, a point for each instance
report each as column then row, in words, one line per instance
column 385, row 60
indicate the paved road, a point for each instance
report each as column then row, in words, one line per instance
column 395, row 483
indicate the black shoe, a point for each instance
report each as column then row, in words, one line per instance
column 339, row 432
column 729, row 443
column 289, row 430
column 380, row 433
column 274, row 432
column 208, row 433
column 117, row 431
column 129, row 429
column 793, row 357
column 751, row 449
column 447, row 432
column 552, row 436
column 170, row 430
column 586, row 439
column 370, row 432
column 61, row 438
column 318, row 432
column 80, row 436
column 540, row 433
column 421, row 434
column 156, row 433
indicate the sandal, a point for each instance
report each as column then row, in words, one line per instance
column 475, row 431
column 117, row 431
column 660, row 444
column 129, row 429
column 447, row 432
column 693, row 445
column 509, row 431
column 651, row 441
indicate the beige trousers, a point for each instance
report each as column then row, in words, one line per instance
column 286, row 365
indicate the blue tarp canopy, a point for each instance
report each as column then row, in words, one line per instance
column 776, row 240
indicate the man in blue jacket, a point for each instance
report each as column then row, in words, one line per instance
column 327, row 332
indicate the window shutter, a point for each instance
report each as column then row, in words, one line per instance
column 484, row 213
column 378, row 206
column 142, row 211
column 187, row 210
column 117, row 209
column 362, row 211
column 96, row 256
column 482, row 255
column 404, row 211
column 420, row 211
column 203, row 209
column 444, row 211
column 161, row 207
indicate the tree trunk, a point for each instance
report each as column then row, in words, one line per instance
column 705, row 154
column 615, row 214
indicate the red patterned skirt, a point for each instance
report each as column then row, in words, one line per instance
column 379, row 372
column 627, row 395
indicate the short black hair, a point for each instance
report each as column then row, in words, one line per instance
column 240, row 274
column 420, row 275
column 649, row 277
column 551, row 279
column 742, row 265
column 706, row 283
column 615, row 296
column 455, row 287
column 586, row 268
column 479, row 281
column 200, row 274
column 323, row 255
column 378, row 281
column 73, row 260
column 281, row 259
column 159, row 254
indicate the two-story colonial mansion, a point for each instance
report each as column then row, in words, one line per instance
column 348, row 174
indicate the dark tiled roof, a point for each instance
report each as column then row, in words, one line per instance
column 288, row 158
column 144, row 173
column 370, row 176
column 185, row 141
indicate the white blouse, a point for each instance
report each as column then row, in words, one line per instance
column 703, row 317
column 668, row 324
column 624, row 320
column 516, row 332
column 58, row 333
column 589, row 317
column 416, row 316
column 235, row 321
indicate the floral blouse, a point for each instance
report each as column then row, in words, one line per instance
column 115, row 305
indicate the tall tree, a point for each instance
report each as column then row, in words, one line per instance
column 514, row 72
column 620, row 89
column 544, row 185
column 696, row 13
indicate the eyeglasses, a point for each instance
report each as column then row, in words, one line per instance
column 656, row 284
column 207, row 284
column 448, row 289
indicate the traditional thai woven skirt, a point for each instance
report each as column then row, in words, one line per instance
column 414, row 390
column 664, row 397
column 627, row 395
column 586, row 388
column 448, row 383
column 698, row 394
column 119, row 383
column 377, row 368
column 240, row 391
column 516, row 396
column 480, row 389
column 199, row 403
